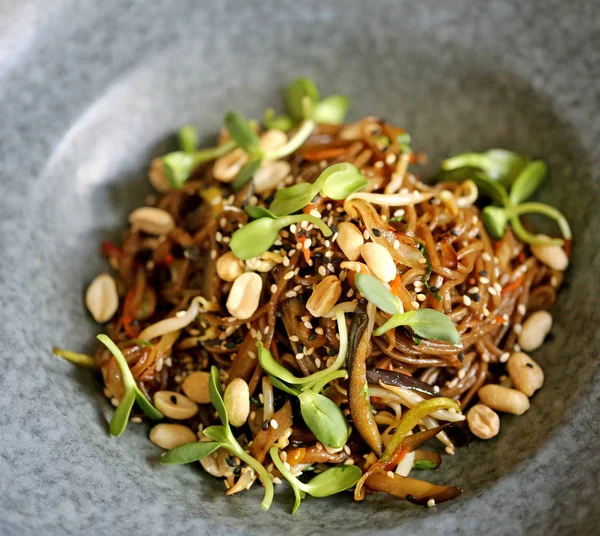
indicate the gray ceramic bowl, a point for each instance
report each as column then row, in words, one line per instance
column 91, row 91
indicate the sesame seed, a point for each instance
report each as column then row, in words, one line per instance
column 466, row 300
column 350, row 293
column 366, row 235
column 396, row 244
column 314, row 212
column 322, row 271
column 330, row 268
column 286, row 261
column 422, row 260
column 461, row 374
column 299, row 356
column 436, row 388
column 289, row 275
column 518, row 328
column 485, row 358
column 486, row 256
column 498, row 287
column 319, row 331
column 415, row 304
column 484, row 280
column 293, row 228
column 521, row 309
column 252, row 415
column 378, row 164
column 291, row 294
column 504, row 357
column 319, row 446
column 347, row 450
column 421, row 297
column 418, row 284
column 349, row 461
column 307, row 243
column 431, row 503
column 308, row 325
column 398, row 213
column 486, row 311
column 474, row 290
column 294, row 338
column 390, row 158
column 390, row 474
column 274, row 424
column 273, row 288
column 492, row 291
column 136, row 419
column 213, row 254
column 516, row 348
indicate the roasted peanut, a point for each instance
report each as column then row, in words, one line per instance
column 350, row 240
column 483, row 421
column 244, row 295
column 229, row 267
column 525, row 373
column 227, row 167
column 504, row 399
column 237, row 401
column 175, row 405
column 379, row 261
column 272, row 139
column 534, row 331
column 168, row 436
column 101, row 298
column 553, row 256
column 270, row 175
column 157, row 176
column 324, row 296
column 154, row 221
column 195, row 386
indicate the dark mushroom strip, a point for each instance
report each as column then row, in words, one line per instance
column 265, row 439
column 411, row 489
column 358, row 392
column 389, row 377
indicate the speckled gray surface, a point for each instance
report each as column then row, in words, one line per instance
column 90, row 91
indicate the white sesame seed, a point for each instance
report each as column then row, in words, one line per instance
column 299, row 356
column 307, row 243
column 294, row 338
column 314, row 212
column 390, row 474
column 516, row 348
column 390, row 158
column 349, row 461
column 319, row 446
column 261, row 397
column 431, row 503
column 330, row 268
column 293, row 228
column 518, row 328
column 289, row 275
column 307, row 325
column 322, row 271
column 291, row 294
column 274, row 424
column 378, row 164
column 466, row 300
column 396, row 244
column 474, row 220
column 484, row 280
column 474, row 290
column 498, row 287
column 350, row 293
column 418, row 284
column 415, row 304
column 486, row 311
column 286, row 261
column 317, row 362
column 436, row 388
column 461, row 374
column 136, row 419
column 486, row 256
column 398, row 213
column 521, row 309
column 273, row 288
column 492, row 291
column 213, row 254
column 366, row 235
column 319, row 331
column 421, row 297
column 485, row 358
column 504, row 357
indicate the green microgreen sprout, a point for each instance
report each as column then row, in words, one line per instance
column 279, row 122
column 256, row 237
column 333, row 480
column 499, row 167
column 81, row 360
column 336, row 182
column 405, row 140
column 424, row 465
column 188, row 138
column 322, row 416
column 132, row 394
column 222, row 436
column 425, row 323
column 428, row 271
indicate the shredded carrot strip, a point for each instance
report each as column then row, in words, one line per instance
column 324, row 154
column 514, row 285
column 396, row 285
column 108, row 249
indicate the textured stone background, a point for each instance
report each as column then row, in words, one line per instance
column 90, row 91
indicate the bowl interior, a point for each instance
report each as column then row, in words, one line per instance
column 450, row 98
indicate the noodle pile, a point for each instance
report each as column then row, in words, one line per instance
column 445, row 260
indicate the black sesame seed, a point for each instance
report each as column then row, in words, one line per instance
column 221, row 327
column 230, row 461
column 483, row 273
column 312, row 336
column 334, row 228
column 173, row 399
column 244, row 204
column 529, row 365
column 331, row 351
column 278, row 314
column 461, row 356
column 392, row 431
column 410, row 497
column 478, row 236
column 434, row 289
column 317, row 255
column 376, row 232
column 265, row 425
column 237, row 470
column 476, row 297
column 238, row 340
column 287, row 247
column 454, row 232
column 301, row 232
column 336, row 261
column 230, row 345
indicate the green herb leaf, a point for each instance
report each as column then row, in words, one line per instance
column 214, row 388
column 179, row 165
column 242, row 133
column 143, row 342
column 218, row 433
column 342, row 180
column 333, row 480
column 495, row 220
column 498, row 164
column 279, row 122
column 295, row 94
column 376, row 292
column 188, row 138
column 426, row 323
column 258, row 236
column 292, row 199
column 246, row 174
column 189, row 453
column 331, row 110
column 491, row 188
column 120, row 418
column 258, row 212
column 146, row 406
column 81, row 360
column 294, row 143
column 424, row 464
column 324, row 418
column 528, row 181
column 273, row 368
